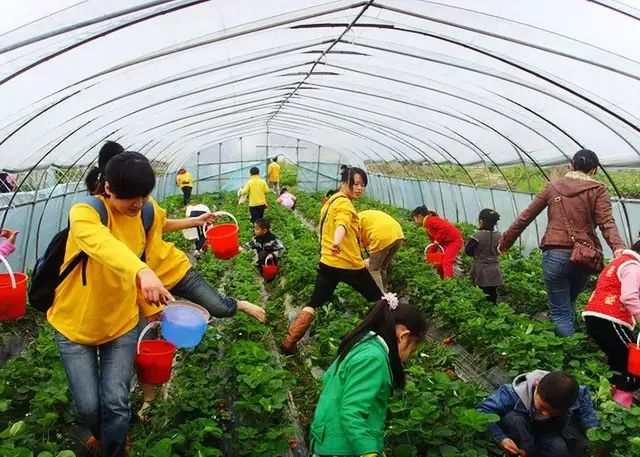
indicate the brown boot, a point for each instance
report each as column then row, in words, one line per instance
column 297, row 329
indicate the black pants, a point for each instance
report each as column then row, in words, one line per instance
column 186, row 195
column 612, row 338
column 329, row 277
column 491, row 293
column 557, row 437
column 256, row 212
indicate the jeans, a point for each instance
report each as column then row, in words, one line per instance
column 564, row 282
column 194, row 288
column 99, row 382
column 551, row 438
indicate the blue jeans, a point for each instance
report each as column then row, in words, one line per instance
column 559, row 437
column 99, row 382
column 194, row 288
column 564, row 282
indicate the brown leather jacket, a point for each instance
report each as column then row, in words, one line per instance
column 587, row 204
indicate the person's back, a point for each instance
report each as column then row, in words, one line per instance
column 256, row 189
column 287, row 199
column 378, row 230
column 273, row 172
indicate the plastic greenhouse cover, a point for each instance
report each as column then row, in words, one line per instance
column 457, row 81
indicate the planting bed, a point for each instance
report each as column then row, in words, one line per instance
column 236, row 395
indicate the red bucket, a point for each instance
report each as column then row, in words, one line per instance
column 269, row 270
column 434, row 254
column 154, row 359
column 223, row 239
column 633, row 363
column 13, row 293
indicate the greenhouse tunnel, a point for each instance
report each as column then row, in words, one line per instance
column 219, row 86
column 441, row 102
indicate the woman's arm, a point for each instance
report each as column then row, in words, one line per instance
column 525, row 218
column 606, row 222
column 173, row 225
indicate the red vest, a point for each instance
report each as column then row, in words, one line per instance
column 605, row 301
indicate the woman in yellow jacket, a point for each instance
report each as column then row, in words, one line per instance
column 185, row 183
column 95, row 310
column 381, row 235
column 340, row 257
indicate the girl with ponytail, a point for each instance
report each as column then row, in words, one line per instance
column 443, row 233
column 107, row 152
column 483, row 247
column 349, row 418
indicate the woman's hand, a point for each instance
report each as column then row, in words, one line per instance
column 206, row 218
column 335, row 249
column 252, row 310
column 10, row 235
column 617, row 253
column 152, row 288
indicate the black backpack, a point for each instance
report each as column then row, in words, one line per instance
column 46, row 275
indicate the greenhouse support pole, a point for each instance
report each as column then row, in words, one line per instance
column 318, row 169
column 166, row 181
column 198, row 173
column 464, row 208
column 241, row 160
column 64, row 197
column 219, row 166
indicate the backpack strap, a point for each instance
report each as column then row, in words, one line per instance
column 148, row 214
column 324, row 217
column 98, row 205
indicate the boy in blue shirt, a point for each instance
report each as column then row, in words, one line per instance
column 542, row 414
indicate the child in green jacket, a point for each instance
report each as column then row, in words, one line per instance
column 349, row 418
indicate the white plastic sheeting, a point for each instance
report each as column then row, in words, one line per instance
column 458, row 81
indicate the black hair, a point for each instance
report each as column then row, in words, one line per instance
column 107, row 152
column 275, row 159
column 490, row 217
column 283, row 190
column 343, row 168
column 636, row 246
column 382, row 320
column 348, row 176
column 559, row 390
column 423, row 211
column 585, row 160
column 330, row 193
column 254, row 171
column 263, row 223
column 129, row 175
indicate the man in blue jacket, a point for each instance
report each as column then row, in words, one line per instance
column 542, row 414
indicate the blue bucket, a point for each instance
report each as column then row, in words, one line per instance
column 184, row 324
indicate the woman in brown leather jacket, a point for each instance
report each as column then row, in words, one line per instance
column 587, row 204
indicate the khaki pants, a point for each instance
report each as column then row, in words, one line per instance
column 379, row 263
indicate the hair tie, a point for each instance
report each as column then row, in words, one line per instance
column 392, row 300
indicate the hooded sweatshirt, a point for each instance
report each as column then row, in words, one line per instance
column 587, row 205
column 519, row 397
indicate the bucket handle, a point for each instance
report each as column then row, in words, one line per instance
column 266, row 261
column 149, row 326
column 638, row 342
column 224, row 213
column 8, row 267
column 433, row 244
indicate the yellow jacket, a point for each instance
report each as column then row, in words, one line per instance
column 256, row 188
column 378, row 230
column 106, row 307
column 168, row 262
column 273, row 172
column 340, row 211
column 184, row 180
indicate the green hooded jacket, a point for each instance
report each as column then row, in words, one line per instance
column 349, row 419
